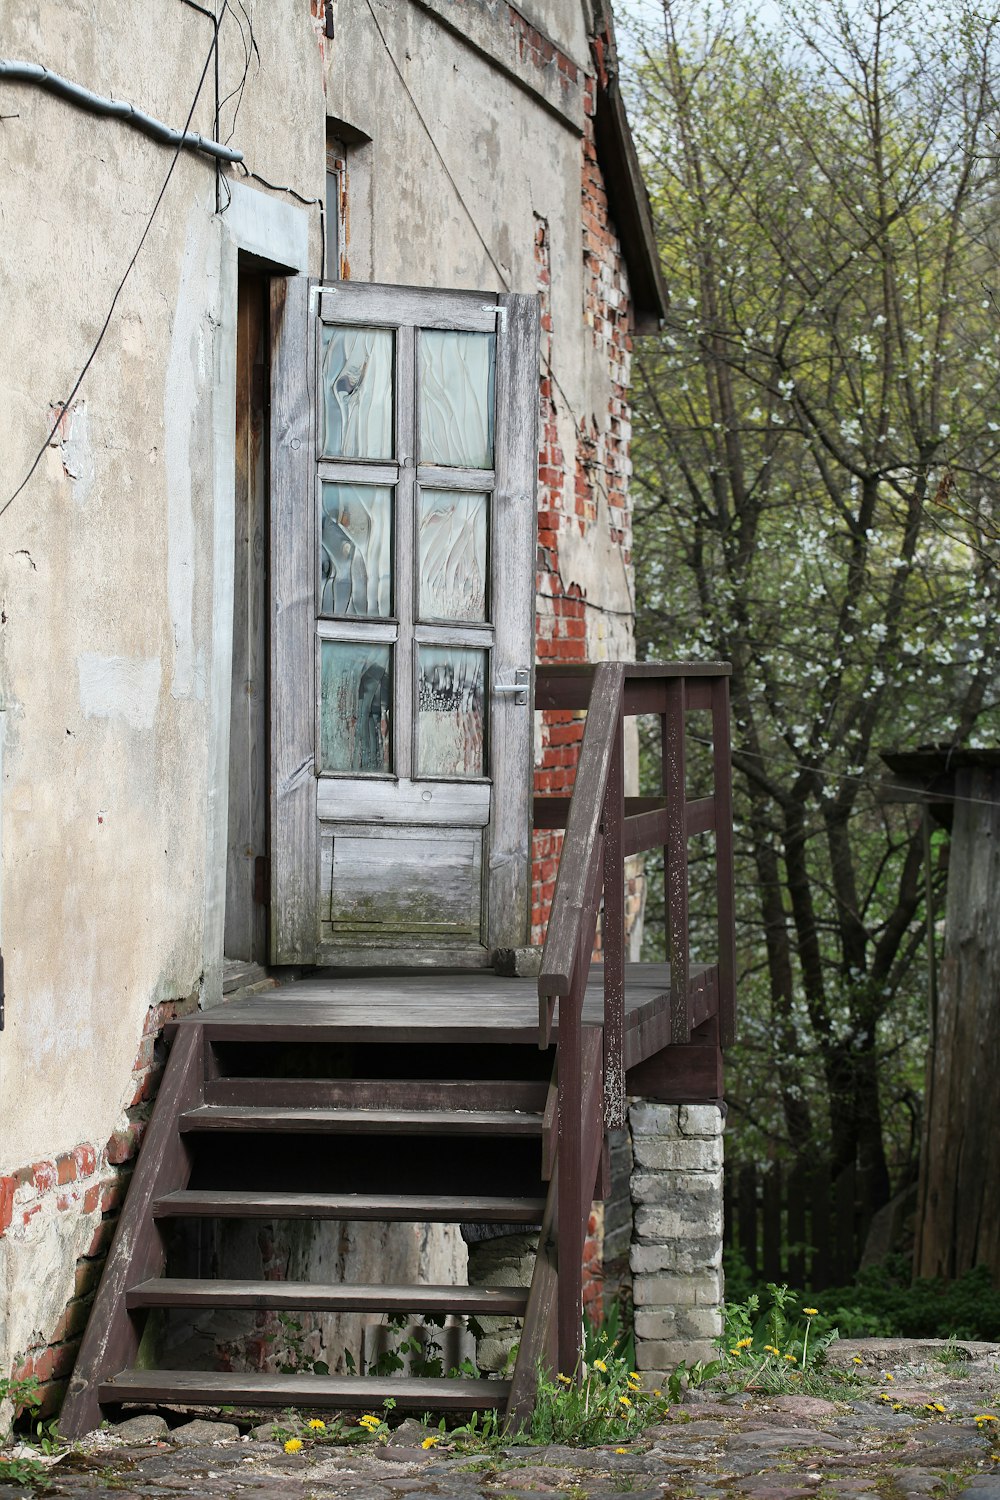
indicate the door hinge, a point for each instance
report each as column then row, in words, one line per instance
column 262, row 881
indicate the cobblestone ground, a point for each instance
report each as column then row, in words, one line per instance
column 885, row 1439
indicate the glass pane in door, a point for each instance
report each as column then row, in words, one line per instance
column 355, row 687
column 356, row 380
column 451, row 536
column 457, row 375
column 356, row 551
column 451, row 711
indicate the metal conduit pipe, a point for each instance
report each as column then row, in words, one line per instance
column 25, row 72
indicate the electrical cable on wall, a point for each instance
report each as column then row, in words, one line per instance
column 65, row 405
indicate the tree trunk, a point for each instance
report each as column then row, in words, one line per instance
column 960, row 1167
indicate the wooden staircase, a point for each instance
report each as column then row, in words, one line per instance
column 226, row 1142
column 433, row 1088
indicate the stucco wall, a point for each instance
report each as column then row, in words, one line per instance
column 108, row 657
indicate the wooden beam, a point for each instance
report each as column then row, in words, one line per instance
column 688, row 1073
column 111, row 1340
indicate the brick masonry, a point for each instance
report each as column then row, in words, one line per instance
column 63, row 1211
column 676, row 1253
column 578, row 492
column 582, row 492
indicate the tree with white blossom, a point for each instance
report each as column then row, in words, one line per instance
column 817, row 490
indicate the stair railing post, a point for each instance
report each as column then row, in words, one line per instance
column 613, row 933
column 675, row 866
column 570, row 1237
column 725, row 893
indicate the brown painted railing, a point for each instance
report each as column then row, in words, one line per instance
column 603, row 827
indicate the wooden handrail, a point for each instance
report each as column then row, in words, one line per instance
column 603, row 828
column 583, row 827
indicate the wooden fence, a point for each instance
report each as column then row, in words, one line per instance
column 798, row 1225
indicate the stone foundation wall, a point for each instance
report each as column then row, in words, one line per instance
column 676, row 1253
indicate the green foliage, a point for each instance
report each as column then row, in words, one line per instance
column 483, row 1430
column 690, row 1377
column 616, row 1335
column 296, row 1359
column 24, row 1472
column 817, row 482
column 883, row 1303
column 769, row 1343
column 607, row 1405
column 24, row 1400
column 21, row 1395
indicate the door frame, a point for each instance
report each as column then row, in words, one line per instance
column 276, row 235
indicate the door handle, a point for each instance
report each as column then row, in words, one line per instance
column 518, row 689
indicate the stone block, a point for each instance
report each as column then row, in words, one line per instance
column 700, row 1119
column 654, row 1119
column 492, row 1354
column 198, row 1433
column 684, row 1254
column 655, row 1323
column 679, row 1221
column 142, row 1429
column 669, row 1289
column 662, row 1153
column 664, row 1355
column 678, row 1322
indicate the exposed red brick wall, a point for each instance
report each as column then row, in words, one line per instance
column 90, row 1180
column 577, row 490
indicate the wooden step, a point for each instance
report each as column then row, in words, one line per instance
column 506, row 1122
column 176, row 1291
column 378, row 1093
column 410, row 1208
column 356, row 1392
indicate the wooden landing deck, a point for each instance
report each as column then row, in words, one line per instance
column 447, row 1007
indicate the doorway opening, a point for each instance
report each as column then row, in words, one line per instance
column 247, row 852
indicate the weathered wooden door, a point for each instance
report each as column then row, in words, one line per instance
column 404, row 452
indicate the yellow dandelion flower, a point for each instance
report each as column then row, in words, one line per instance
column 428, row 1442
column 564, row 1379
column 370, row 1420
column 624, row 1401
column 771, row 1349
column 887, row 1376
column 294, row 1445
column 657, row 1393
column 634, row 1375
column 600, row 1365
column 621, row 1450
column 939, row 1406
column 983, row 1418
column 791, row 1359
column 858, row 1360
column 316, row 1425
column 995, row 1457
column 634, row 1385
column 897, row 1406
column 810, row 1312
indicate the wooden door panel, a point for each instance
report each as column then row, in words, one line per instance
column 402, row 769
column 391, row 886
